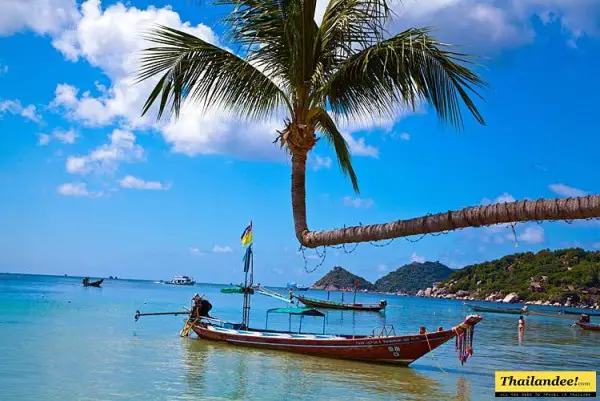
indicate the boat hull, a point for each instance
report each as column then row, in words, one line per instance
column 337, row 305
column 400, row 350
column 583, row 312
column 94, row 283
column 478, row 308
column 592, row 327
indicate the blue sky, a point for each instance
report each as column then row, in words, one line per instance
column 89, row 187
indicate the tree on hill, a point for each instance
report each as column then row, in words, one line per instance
column 413, row 277
column 341, row 278
column 546, row 275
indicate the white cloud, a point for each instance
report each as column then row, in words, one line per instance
column 491, row 25
column 382, row 268
column 222, row 249
column 566, row 191
column 40, row 16
column 111, row 40
column 416, row 258
column 532, row 235
column 132, row 182
column 504, row 198
column 106, row 158
column 359, row 147
column 196, row 252
column 43, row 139
column 15, row 107
column 358, row 202
column 77, row 189
column 405, row 136
column 3, row 69
column 68, row 137
column 319, row 162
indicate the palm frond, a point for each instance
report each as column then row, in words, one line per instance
column 400, row 71
column 351, row 25
column 195, row 69
column 325, row 124
column 278, row 35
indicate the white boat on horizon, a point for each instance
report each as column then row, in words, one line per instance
column 181, row 280
column 297, row 287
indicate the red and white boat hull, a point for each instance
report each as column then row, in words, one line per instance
column 401, row 350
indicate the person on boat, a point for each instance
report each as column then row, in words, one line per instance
column 422, row 330
column 584, row 318
column 521, row 324
column 86, row 280
column 201, row 307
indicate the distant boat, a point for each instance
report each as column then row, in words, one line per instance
column 497, row 309
column 587, row 312
column 297, row 287
column 181, row 280
column 324, row 304
column 589, row 326
column 87, row 283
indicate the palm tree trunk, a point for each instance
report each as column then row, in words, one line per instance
column 299, row 194
column 541, row 209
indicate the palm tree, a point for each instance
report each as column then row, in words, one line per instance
column 346, row 68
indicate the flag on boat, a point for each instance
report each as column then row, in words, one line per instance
column 247, row 235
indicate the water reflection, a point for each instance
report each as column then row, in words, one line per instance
column 463, row 389
column 220, row 370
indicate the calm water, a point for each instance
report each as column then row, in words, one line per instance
column 60, row 341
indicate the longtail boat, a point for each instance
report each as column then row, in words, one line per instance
column 496, row 309
column 87, row 283
column 383, row 347
column 324, row 304
column 588, row 326
column 236, row 289
column 587, row 312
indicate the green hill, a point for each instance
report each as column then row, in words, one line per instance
column 545, row 276
column 413, row 277
column 340, row 278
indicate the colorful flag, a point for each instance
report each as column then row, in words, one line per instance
column 247, row 235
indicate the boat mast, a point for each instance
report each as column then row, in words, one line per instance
column 248, row 281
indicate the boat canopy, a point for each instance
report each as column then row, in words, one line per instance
column 297, row 311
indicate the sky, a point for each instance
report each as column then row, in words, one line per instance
column 88, row 187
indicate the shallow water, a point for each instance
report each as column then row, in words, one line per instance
column 60, row 341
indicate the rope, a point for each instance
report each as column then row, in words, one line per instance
column 432, row 355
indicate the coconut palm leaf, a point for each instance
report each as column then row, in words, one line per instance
column 202, row 72
column 400, row 71
column 327, row 126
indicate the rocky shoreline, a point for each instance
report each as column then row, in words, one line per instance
column 444, row 292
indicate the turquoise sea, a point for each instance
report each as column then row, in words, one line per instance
column 61, row 341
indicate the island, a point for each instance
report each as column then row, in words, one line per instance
column 567, row 277
column 412, row 277
column 341, row 279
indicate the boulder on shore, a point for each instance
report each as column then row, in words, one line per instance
column 511, row 298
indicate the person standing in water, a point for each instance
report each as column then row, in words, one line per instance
column 521, row 324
